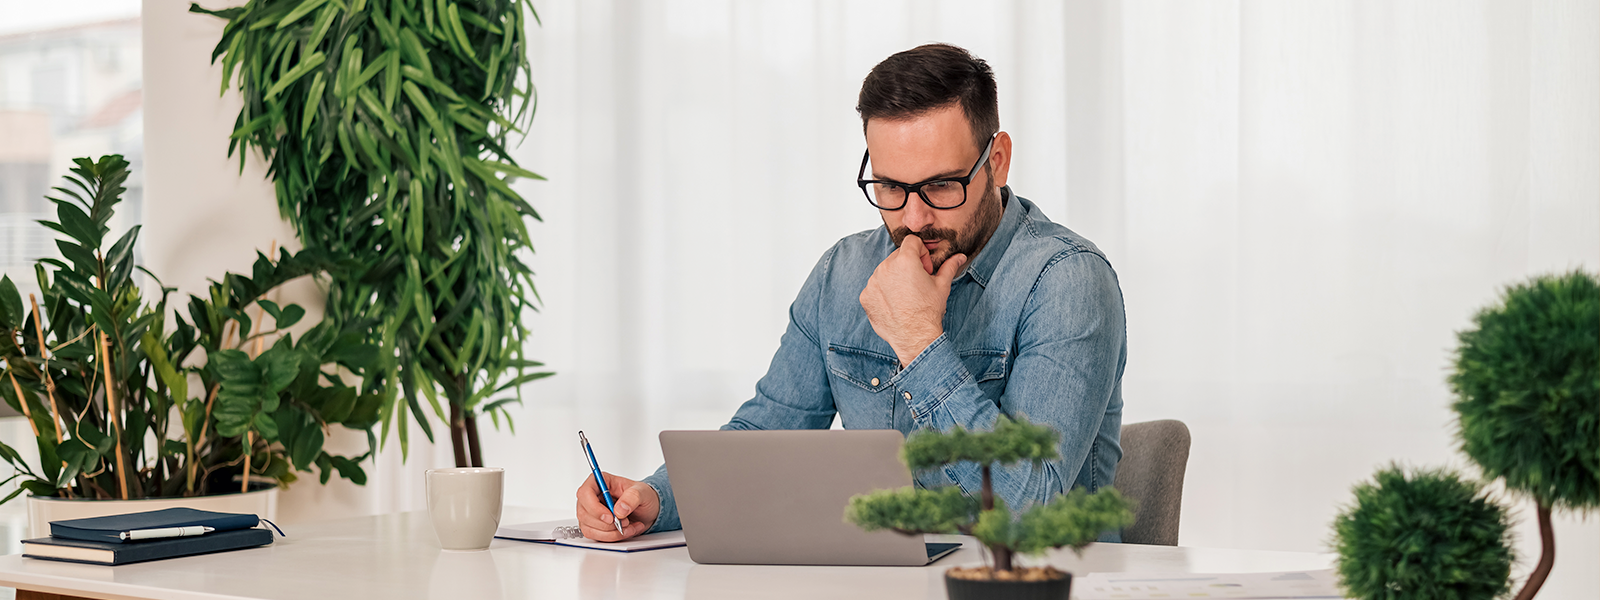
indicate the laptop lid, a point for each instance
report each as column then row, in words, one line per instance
column 778, row 497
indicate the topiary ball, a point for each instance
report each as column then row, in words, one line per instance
column 1426, row 535
column 1527, row 383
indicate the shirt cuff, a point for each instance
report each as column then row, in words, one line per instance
column 930, row 379
column 667, row 518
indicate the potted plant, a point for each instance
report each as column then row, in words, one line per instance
column 1071, row 520
column 131, row 404
column 1527, row 384
column 1423, row 534
column 386, row 125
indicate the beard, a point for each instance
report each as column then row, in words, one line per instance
column 969, row 240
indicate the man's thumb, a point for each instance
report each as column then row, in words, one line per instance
column 951, row 266
column 625, row 502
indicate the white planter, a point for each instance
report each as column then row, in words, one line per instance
column 41, row 511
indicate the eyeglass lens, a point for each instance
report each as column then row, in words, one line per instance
column 940, row 194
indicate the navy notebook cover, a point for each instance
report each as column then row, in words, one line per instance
column 103, row 553
column 108, row 529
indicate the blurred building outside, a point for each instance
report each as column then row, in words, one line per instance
column 65, row 92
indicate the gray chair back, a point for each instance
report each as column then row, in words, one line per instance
column 1154, row 457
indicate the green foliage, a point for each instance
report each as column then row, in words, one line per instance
column 1423, row 535
column 385, row 125
column 1009, row 442
column 1068, row 520
column 1072, row 520
column 1527, row 383
column 162, row 438
column 945, row 510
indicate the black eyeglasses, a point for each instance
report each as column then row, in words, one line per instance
column 943, row 194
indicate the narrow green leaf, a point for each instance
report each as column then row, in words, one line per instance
column 304, row 9
column 306, row 65
column 313, row 101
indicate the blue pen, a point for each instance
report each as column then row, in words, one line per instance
column 605, row 494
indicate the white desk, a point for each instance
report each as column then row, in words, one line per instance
column 397, row 557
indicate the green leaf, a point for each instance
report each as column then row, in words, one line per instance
column 307, row 446
column 306, row 65
column 291, row 315
column 348, row 469
column 84, row 260
column 11, row 312
column 279, row 366
column 305, row 8
column 270, row 307
column 76, row 224
column 235, row 365
column 267, row 427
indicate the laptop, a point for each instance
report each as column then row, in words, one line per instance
column 778, row 497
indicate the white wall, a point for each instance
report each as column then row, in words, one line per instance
column 1303, row 201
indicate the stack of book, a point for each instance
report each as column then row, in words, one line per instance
column 144, row 536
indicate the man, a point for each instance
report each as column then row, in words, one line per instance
column 967, row 304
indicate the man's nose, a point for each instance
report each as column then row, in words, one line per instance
column 918, row 214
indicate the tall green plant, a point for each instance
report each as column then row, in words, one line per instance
column 1527, row 385
column 385, row 125
column 104, row 380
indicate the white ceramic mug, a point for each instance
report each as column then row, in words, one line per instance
column 465, row 505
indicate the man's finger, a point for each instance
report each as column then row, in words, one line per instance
column 913, row 243
column 947, row 273
column 627, row 501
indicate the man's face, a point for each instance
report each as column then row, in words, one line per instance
column 933, row 145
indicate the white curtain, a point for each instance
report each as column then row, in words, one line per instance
column 1303, row 201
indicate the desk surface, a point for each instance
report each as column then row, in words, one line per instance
column 397, row 557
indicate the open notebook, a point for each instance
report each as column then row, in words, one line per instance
column 565, row 532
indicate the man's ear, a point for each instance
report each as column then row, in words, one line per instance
column 1000, row 158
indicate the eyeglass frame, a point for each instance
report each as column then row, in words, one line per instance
column 916, row 188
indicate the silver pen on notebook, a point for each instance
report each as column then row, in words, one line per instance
column 165, row 532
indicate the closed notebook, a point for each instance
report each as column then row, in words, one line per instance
column 109, row 529
column 566, row 533
column 121, row 553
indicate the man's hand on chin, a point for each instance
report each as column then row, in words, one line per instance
column 905, row 299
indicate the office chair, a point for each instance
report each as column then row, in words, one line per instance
column 1154, row 457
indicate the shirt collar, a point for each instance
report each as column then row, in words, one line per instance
column 982, row 268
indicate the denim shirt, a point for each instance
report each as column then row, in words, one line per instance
column 1034, row 326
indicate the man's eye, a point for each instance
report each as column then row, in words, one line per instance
column 942, row 185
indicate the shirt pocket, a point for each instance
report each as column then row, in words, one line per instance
column 866, row 369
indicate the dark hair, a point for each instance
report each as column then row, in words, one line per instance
column 932, row 76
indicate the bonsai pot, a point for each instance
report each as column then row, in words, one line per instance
column 1000, row 589
column 262, row 502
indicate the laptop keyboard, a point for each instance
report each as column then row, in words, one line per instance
column 938, row 548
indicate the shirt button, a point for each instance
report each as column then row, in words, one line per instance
column 908, row 395
column 874, row 381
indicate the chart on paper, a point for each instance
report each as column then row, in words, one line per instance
column 1294, row 585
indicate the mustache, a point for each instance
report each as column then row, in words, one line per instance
column 927, row 235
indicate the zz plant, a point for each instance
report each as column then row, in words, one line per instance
column 1071, row 520
column 107, row 381
column 385, row 127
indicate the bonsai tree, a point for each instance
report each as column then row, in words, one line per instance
column 1071, row 520
column 1527, row 386
column 105, row 381
column 1424, row 534
column 385, row 125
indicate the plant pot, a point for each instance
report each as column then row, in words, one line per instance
column 979, row 589
column 43, row 510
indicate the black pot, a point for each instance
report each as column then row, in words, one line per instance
column 974, row 589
